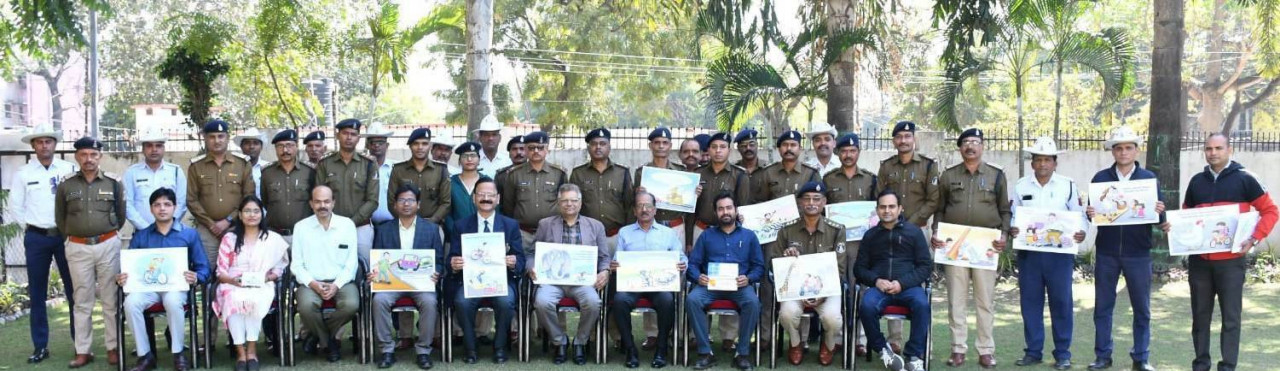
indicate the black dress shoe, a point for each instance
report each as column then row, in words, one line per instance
column 334, row 351
column 1062, row 364
column 387, row 360
column 743, row 363
column 180, row 362
column 1100, row 364
column 311, row 345
column 471, row 358
column 579, row 354
column 1143, row 366
column 38, row 355
column 252, row 365
column 633, row 359
column 145, row 362
column 424, row 361
column 704, row 362
column 659, row 359
column 1028, row 361
column 562, row 353
column 500, row 356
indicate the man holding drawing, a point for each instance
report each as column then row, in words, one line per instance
column 728, row 246
column 660, row 146
column 646, row 234
column 485, row 220
column 1222, row 274
column 408, row 231
column 570, row 228
column 1042, row 272
column 811, row 234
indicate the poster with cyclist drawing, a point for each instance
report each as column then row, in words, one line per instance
column 484, row 269
column 154, row 270
column 397, row 270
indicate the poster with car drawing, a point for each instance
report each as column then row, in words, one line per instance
column 857, row 217
column 397, row 270
column 1202, row 230
column 967, row 246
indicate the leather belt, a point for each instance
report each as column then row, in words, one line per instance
column 702, row 225
column 533, row 230
column 51, row 232
column 611, row 232
column 674, row 222
column 92, row 240
column 283, row 231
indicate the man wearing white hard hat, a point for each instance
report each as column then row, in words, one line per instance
column 250, row 142
column 143, row 178
column 490, row 135
column 31, row 197
column 375, row 142
column 1046, row 273
column 823, row 137
column 1123, row 250
column 442, row 151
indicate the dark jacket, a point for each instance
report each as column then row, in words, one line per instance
column 1124, row 240
column 470, row 224
column 1234, row 186
column 426, row 236
column 900, row 254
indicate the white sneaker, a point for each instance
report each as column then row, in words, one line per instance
column 916, row 364
column 892, row 361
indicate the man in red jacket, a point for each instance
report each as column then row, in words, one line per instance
column 1221, row 275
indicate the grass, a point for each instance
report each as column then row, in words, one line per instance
column 1170, row 350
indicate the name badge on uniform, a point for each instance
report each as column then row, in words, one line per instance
column 232, row 174
column 103, row 192
column 33, row 183
column 1027, row 197
column 141, row 180
column 342, row 246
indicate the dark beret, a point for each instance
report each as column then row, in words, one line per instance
column 539, row 137
column 788, row 135
column 904, row 126
column 88, row 143
column 598, row 133
column 315, row 135
column 704, row 141
column 349, row 123
column 283, row 135
column 216, row 126
column 721, row 136
column 661, row 131
column 519, row 139
column 848, row 140
column 970, row 132
column 812, row 187
column 746, row 134
column 467, row 147
column 419, row 133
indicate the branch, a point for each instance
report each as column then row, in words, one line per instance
column 1238, row 107
column 271, row 71
column 1240, row 64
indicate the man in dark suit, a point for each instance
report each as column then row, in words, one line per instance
column 407, row 232
column 485, row 220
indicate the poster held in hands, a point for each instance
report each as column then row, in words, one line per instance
column 1124, row 203
column 967, row 246
column 484, row 272
column 154, row 270
column 722, row 276
column 1202, row 230
column 1047, row 230
column 766, row 219
column 398, row 270
column 563, row 264
column 648, row 271
column 674, row 190
column 857, row 217
column 1244, row 230
column 807, row 276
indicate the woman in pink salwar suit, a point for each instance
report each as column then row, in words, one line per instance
column 260, row 256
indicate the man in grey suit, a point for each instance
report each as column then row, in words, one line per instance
column 570, row 228
column 407, row 232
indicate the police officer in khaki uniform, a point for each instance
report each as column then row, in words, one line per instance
column 314, row 147
column 431, row 177
column 353, row 177
column 911, row 175
column 287, row 184
column 785, row 177
column 973, row 193
column 607, row 192
column 89, row 209
column 811, row 234
column 748, row 150
column 216, row 182
column 529, row 190
column 852, row 183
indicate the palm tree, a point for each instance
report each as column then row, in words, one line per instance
column 1109, row 53
column 388, row 47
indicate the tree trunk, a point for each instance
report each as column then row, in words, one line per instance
column 1022, row 159
column 55, row 96
column 479, row 40
column 842, row 73
column 1168, row 110
column 1057, row 104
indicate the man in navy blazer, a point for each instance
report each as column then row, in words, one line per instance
column 407, row 232
column 485, row 220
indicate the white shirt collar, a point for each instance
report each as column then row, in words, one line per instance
column 493, row 225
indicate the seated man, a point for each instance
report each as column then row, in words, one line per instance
column 571, row 228
column 407, row 232
column 811, row 234
column 324, row 260
column 647, row 235
column 164, row 233
column 729, row 243
column 895, row 273
column 485, row 220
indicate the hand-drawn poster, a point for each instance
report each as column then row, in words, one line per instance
column 1124, row 203
column 1047, row 230
column 856, row 216
column 648, row 271
column 154, row 270
column 675, row 190
column 723, row 276
column 806, row 276
column 1244, row 229
column 766, row 219
column 1202, row 230
column 484, row 271
column 398, row 270
column 967, row 246
column 562, row 264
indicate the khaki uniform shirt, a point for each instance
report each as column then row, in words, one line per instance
column 529, row 195
column 214, row 191
column 916, row 183
column 776, row 181
column 842, row 188
column 753, row 175
column 979, row 199
column 287, row 195
column 828, row 237
column 435, row 199
column 606, row 196
column 354, row 184
column 662, row 215
column 85, row 209
column 732, row 179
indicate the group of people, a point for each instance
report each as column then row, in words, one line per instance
column 316, row 221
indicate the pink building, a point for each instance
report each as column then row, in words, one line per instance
column 27, row 100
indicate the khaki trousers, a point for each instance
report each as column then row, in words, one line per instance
column 93, row 275
column 828, row 310
column 959, row 280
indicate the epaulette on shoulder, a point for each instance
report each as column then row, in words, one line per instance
column 742, row 169
column 997, row 167
column 925, row 157
column 367, row 157
column 197, row 158
column 435, row 162
column 557, row 167
column 111, row 175
column 239, row 156
column 866, row 172
column 890, row 158
column 328, row 155
column 958, row 164
column 815, row 169
column 831, row 223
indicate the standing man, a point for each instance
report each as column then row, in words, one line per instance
column 375, row 143
column 1123, row 250
column 1041, row 273
column 646, row 234
column 442, row 151
column 823, row 136
column 250, row 142
column 515, row 150
column 812, row 234
column 430, row 177
column 31, row 200
column 287, row 186
column 485, row 220
column 489, row 135
column 852, row 183
column 690, row 155
column 727, row 243
column 748, row 148
column 407, row 232
column 315, row 147
column 353, row 178
column 531, row 188
column 89, row 210
column 974, row 193
column 914, row 177
column 325, row 265
column 216, row 182
column 571, row 228
column 895, row 274
column 1221, row 275
column 607, row 193
column 153, row 173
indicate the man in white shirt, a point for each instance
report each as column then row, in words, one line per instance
column 490, row 134
column 141, row 179
column 250, row 142
column 324, row 261
column 823, row 137
column 31, row 197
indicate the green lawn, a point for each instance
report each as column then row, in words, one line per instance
column 1171, row 343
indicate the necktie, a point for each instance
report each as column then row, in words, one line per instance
column 486, row 226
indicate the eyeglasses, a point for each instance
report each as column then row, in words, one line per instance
column 468, row 155
column 646, row 206
column 251, row 211
column 406, row 201
column 971, row 143
column 486, row 195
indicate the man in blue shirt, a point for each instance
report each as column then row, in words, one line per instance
column 646, row 235
column 729, row 243
column 144, row 178
column 164, row 233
